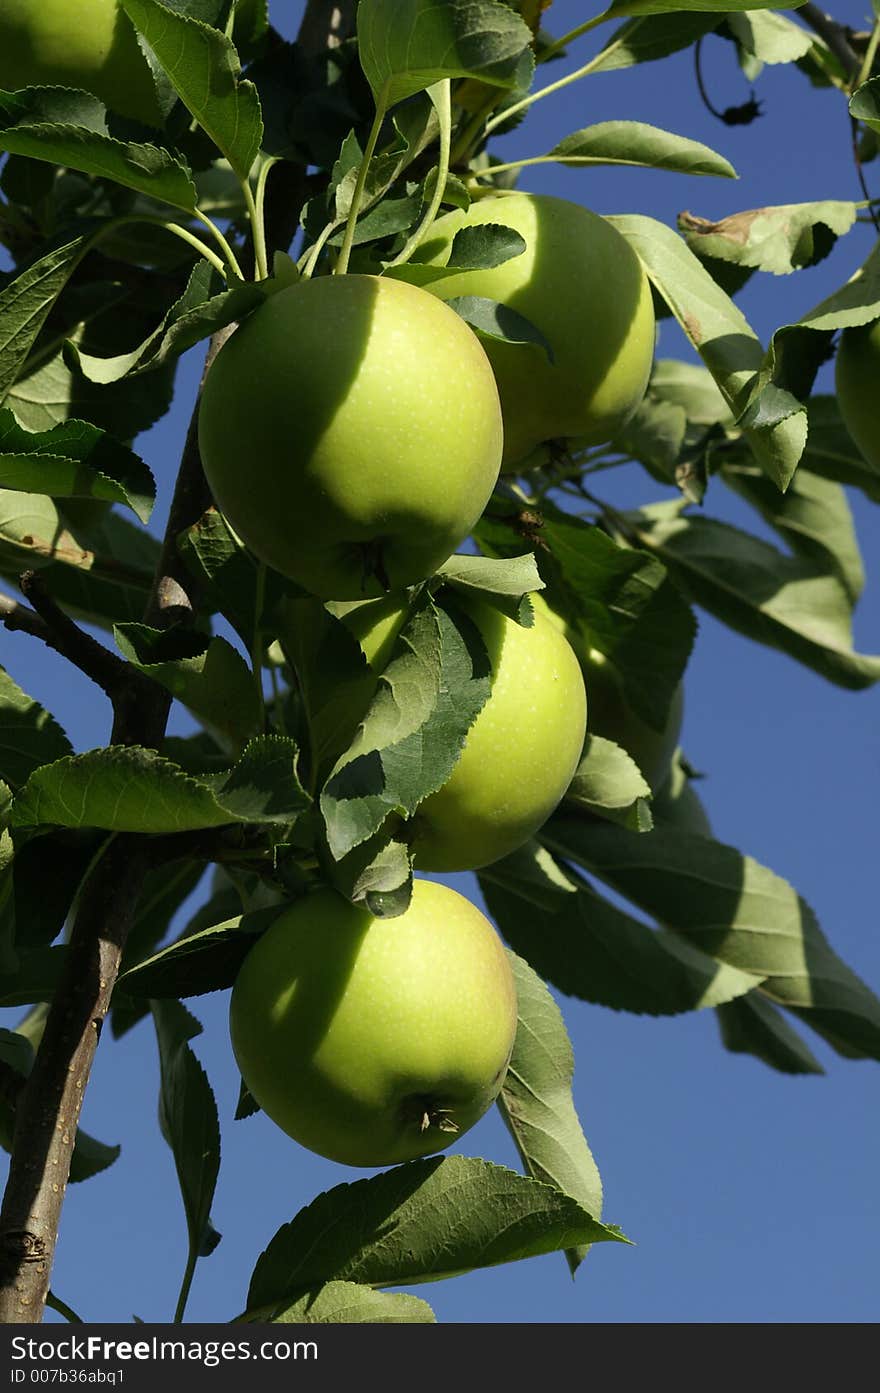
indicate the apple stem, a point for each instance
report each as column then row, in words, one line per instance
column 440, row 96
column 358, row 196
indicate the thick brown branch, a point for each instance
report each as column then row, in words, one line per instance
column 835, row 35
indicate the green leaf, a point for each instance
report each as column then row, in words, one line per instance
column 207, row 675
column 113, row 581
column 428, row 696
column 481, row 247
column 35, row 979
column 53, row 392
column 781, row 601
column 769, row 37
column 813, row 517
column 351, row 1303
column 406, row 46
column 658, row 7
column 618, row 599
column 722, row 336
column 25, row 303
column 832, row 452
column 194, row 316
column 732, row 907
column 126, row 789
column 536, row 1100
column 162, row 894
column 498, row 322
column 590, row 949
column 231, row 581
column 779, row 239
column 204, row 70
column 608, row 782
column 646, row 39
column 206, row 961
column 42, row 902
column 752, row 1026
column 377, row 873
column 503, row 583
column 420, row 1222
column 70, row 128
column 636, row 143
column 29, row 735
column 74, row 460
column 865, row 104
column 188, row 1118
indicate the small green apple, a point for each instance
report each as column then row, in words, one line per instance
column 89, row 44
column 857, row 371
column 519, row 755
column 611, row 715
column 351, row 432
column 373, row 1041
column 582, row 285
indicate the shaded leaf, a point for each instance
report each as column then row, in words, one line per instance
column 416, row 1223
column 636, row 143
column 536, row 1100
column 591, row 949
column 74, row 460
column 752, row 1026
column 188, row 1118
column 70, row 128
column 126, row 789
column 29, row 735
column 204, row 69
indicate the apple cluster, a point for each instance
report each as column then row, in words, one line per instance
column 352, row 431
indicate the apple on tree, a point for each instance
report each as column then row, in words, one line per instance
column 351, row 432
column 89, row 44
column 374, row 1041
column 519, row 755
column 581, row 284
column 857, row 373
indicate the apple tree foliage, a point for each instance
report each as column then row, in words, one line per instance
column 126, row 246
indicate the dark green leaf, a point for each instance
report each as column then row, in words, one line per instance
column 187, row 1117
column 590, row 949
column 74, row 460
column 29, row 735
column 417, row 1223
column 498, row 322
column 70, row 128
column 784, row 602
column 135, row 790
column 486, row 245
column 428, row 696
column 205, row 961
column 208, row 676
column 407, row 45
column 536, row 1100
column 752, row 1026
column 204, row 70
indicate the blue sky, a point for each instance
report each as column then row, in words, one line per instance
column 750, row 1196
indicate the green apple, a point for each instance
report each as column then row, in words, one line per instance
column 90, row 44
column 582, row 285
column 612, row 717
column 857, row 371
column 373, row 1041
column 351, row 432
column 519, row 755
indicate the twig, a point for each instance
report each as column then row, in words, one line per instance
column 58, row 630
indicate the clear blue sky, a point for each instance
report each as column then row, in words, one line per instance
column 750, row 1196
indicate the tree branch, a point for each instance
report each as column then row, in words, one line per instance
column 835, row 35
